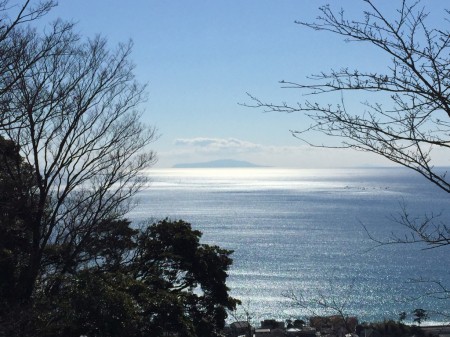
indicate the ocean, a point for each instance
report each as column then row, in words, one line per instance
column 305, row 232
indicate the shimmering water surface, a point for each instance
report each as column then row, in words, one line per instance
column 304, row 231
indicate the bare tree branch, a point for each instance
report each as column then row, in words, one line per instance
column 414, row 130
column 326, row 302
column 74, row 110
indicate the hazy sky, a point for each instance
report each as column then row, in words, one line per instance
column 200, row 58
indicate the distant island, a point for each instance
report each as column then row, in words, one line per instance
column 222, row 163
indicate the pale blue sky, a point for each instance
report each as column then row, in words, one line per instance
column 200, row 58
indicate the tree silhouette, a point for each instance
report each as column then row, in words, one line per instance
column 420, row 315
column 412, row 128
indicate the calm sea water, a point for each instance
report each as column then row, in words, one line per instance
column 302, row 231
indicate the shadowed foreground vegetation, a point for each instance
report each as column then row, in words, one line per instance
column 107, row 279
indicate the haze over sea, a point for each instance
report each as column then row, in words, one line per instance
column 303, row 230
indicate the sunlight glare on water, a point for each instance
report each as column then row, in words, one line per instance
column 302, row 231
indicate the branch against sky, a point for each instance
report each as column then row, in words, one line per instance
column 15, row 39
column 74, row 112
column 406, row 118
column 416, row 123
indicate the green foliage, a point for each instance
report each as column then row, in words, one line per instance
column 195, row 273
column 131, row 282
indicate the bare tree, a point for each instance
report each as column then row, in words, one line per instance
column 74, row 111
column 413, row 131
column 330, row 304
column 13, row 14
column 15, row 38
column 243, row 314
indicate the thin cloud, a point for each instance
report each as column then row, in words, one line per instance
column 200, row 149
column 219, row 145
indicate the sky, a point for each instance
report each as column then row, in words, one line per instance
column 200, row 58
